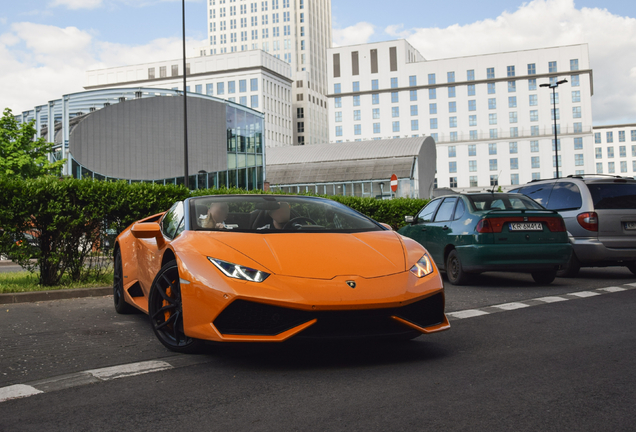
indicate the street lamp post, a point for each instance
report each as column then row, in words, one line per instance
column 553, row 86
column 186, row 178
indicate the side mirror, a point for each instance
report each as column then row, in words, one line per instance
column 148, row 230
column 387, row 226
column 409, row 219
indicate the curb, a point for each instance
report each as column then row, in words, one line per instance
column 37, row 296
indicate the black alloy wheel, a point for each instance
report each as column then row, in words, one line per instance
column 166, row 313
column 118, row 288
column 571, row 268
column 454, row 271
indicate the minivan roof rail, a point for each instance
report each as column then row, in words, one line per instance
column 583, row 175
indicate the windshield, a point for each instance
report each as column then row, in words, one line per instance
column 613, row 195
column 502, row 202
column 275, row 213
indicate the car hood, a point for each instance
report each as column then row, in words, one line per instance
column 320, row 255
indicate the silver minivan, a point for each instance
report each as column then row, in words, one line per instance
column 599, row 214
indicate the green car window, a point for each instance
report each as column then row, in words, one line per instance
column 445, row 211
column 460, row 209
column 426, row 215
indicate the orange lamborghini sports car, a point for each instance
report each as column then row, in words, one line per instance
column 267, row 268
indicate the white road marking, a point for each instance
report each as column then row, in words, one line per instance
column 612, row 289
column 469, row 313
column 551, row 299
column 584, row 294
column 512, row 306
column 17, row 391
column 127, row 370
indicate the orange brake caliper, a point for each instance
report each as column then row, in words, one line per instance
column 165, row 303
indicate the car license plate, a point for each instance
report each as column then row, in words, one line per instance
column 525, row 226
column 630, row 225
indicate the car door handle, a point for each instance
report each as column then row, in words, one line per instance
column 423, row 229
column 445, row 227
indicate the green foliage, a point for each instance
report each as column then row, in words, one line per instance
column 21, row 155
column 64, row 227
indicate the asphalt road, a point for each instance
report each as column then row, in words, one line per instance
column 560, row 366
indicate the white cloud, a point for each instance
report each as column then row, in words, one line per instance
column 78, row 4
column 353, row 35
column 39, row 63
column 547, row 23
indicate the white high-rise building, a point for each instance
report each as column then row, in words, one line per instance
column 295, row 31
column 490, row 117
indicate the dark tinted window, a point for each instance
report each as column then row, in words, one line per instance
column 613, row 195
column 538, row 192
column 445, row 211
column 460, row 209
column 565, row 196
column 172, row 223
column 502, row 201
column 426, row 215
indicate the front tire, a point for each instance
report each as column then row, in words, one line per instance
column 454, row 269
column 121, row 306
column 166, row 312
column 632, row 268
column 545, row 277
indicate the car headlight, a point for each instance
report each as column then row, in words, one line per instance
column 423, row 267
column 239, row 272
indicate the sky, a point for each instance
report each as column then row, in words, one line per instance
column 46, row 46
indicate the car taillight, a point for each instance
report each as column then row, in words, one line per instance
column 483, row 226
column 555, row 224
column 589, row 221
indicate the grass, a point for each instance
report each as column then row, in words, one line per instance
column 24, row 281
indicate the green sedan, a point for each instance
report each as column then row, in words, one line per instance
column 475, row 233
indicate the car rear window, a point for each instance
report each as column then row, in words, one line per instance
column 565, row 196
column 613, row 195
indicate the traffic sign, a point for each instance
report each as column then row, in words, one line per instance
column 394, row 183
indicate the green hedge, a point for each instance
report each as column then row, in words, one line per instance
column 73, row 218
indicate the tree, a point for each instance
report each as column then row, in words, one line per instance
column 21, row 155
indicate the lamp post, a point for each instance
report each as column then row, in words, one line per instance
column 186, row 178
column 553, row 86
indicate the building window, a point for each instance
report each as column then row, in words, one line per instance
column 451, row 92
column 621, row 136
column 576, row 112
column 512, row 102
column 413, row 110
column 514, row 132
column 395, row 97
column 395, row 112
column 491, row 88
column 376, row 128
column 356, row 100
column 532, row 84
column 574, row 64
column 609, row 137
column 450, row 76
column 301, row 127
column 413, row 94
column 452, row 182
column 375, row 98
column 492, row 118
column 452, row 122
column 554, row 114
column 578, row 143
column 220, row 88
column 452, row 152
column 376, row 113
column 433, row 122
column 338, row 116
column 510, row 71
column 512, row 147
column 415, row 125
column 394, row 82
column 534, row 130
column 598, row 153
column 374, row 84
column 356, row 115
column 514, row 163
column 552, row 66
column 338, row 130
column 512, row 117
column 452, row 107
column 337, row 88
column 599, row 167
column 432, row 108
column 578, row 127
column 578, row 160
column 432, row 93
column 576, row 96
column 396, row 126
column 471, row 89
column 514, row 179
column 452, row 167
column 534, row 146
column 494, row 180
column 356, row 86
column 575, row 82
column 337, row 102
column 254, row 101
column 533, row 100
column 610, row 152
column 300, row 113
column 472, row 150
column 611, row 168
column 254, row 84
column 209, row 89
column 431, row 78
column 472, row 120
column 490, row 73
column 512, row 86
column 492, row 148
column 534, row 115
column 412, row 80
column 473, row 181
column 534, row 161
column 532, row 69
column 472, row 105
column 494, row 133
column 492, row 103
column 472, row 166
column 597, row 137
column 357, row 129
column 470, row 75
column 623, row 166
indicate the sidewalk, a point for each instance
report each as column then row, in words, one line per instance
column 63, row 294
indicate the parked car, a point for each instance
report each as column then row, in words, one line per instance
column 267, row 268
column 474, row 233
column 599, row 214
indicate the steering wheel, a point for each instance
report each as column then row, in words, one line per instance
column 295, row 220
